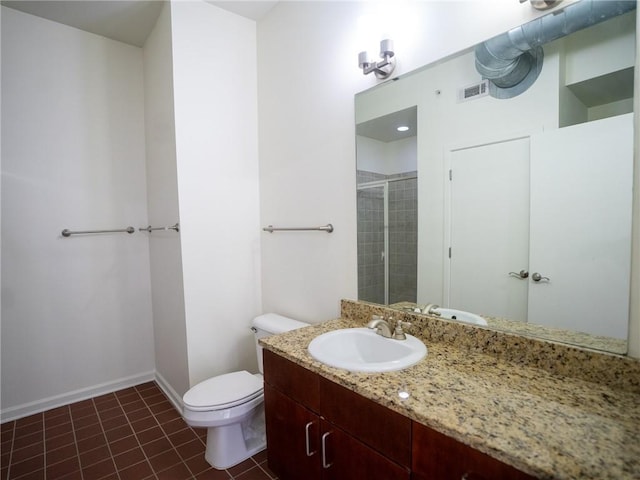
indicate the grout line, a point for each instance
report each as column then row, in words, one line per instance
column 173, row 447
column 268, row 474
column 146, row 458
column 95, row 409
column 13, row 437
column 75, row 442
column 44, row 446
column 106, row 439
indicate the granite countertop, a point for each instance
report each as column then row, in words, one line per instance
column 586, row 340
column 546, row 424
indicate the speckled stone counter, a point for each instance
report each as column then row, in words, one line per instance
column 540, row 416
column 586, row 340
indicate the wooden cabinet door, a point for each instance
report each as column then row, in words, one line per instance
column 296, row 382
column 382, row 429
column 293, row 433
column 438, row 457
column 345, row 458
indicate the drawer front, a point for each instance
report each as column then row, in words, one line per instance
column 437, row 456
column 346, row 458
column 384, row 430
column 298, row 383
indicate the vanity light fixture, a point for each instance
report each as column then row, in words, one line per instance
column 383, row 68
column 542, row 4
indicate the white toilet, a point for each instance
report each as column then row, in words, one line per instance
column 231, row 406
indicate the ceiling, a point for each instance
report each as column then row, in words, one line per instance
column 384, row 129
column 252, row 10
column 128, row 21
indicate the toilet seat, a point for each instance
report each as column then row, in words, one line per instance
column 224, row 391
column 231, row 406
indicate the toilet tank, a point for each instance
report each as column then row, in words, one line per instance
column 272, row 324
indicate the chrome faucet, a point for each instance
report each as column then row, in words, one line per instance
column 398, row 333
column 381, row 326
column 430, row 309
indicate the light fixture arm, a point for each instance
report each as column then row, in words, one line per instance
column 542, row 4
column 385, row 67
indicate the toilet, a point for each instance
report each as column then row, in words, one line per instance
column 231, row 406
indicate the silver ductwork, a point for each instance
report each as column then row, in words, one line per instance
column 512, row 61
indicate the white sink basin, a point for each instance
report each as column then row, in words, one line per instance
column 460, row 316
column 363, row 350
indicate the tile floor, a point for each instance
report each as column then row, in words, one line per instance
column 131, row 434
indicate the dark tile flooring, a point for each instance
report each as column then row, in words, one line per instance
column 131, row 434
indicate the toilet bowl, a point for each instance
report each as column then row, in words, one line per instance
column 231, row 406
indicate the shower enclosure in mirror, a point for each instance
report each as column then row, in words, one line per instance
column 523, row 210
column 387, row 208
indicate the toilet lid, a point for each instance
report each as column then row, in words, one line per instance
column 224, row 391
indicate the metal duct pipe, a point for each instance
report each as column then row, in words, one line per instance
column 512, row 61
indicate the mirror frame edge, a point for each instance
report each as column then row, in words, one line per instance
column 633, row 341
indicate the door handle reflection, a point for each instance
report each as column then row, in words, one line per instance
column 522, row 274
column 536, row 277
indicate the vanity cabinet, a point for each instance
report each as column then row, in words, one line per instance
column 318, row 430
column 436, row 456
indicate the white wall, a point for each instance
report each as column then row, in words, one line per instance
column 167, row 289
column 308, row 75
column 307, row 157
column 76, row 312
column 387, row 158
column 612, row 49
column 215, row 89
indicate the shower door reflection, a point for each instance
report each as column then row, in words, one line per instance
column 387, row 237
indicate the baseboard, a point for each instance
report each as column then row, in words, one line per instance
column 171, row 394
column 24, row 410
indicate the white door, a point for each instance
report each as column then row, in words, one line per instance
column 581, row 188
column 489, row 228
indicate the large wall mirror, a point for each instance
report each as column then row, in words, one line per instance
column 515, row 208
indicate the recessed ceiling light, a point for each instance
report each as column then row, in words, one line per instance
column 402, row 128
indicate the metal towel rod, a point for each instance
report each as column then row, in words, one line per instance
column 150, row 229
column 67, row 233
column 325, row 228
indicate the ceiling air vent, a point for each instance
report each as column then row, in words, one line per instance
column 476, row 90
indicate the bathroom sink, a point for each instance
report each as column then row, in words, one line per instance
column 363, row 350
column 460, row 316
